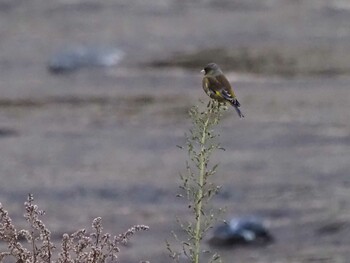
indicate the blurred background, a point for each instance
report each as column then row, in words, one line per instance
column 94, row 97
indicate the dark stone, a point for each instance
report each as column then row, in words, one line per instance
column 7, row 132
column 332, row 228
column 72, row 59
column 241, row 231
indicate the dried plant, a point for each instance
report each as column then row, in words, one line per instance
column 196, row 183
column 79, row 247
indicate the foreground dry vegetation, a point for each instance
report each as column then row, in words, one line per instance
column 34, row 245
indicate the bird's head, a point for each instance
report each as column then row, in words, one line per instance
column 211, row 69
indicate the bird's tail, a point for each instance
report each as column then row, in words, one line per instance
column 240, row 114
column 236, row 105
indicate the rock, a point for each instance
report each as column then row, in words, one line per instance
column 72, row 59
column 332, row 227
column 241, row 231
column 8, row 132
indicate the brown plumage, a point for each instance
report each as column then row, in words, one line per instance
column 217, row 87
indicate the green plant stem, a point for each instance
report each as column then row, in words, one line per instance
column 199, row 197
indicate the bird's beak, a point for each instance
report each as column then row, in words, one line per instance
column 203, row 71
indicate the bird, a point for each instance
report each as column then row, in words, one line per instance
column 217, row 87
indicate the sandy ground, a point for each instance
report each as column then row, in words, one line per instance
column 102, row 142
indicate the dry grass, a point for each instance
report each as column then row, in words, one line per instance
column 34, row 245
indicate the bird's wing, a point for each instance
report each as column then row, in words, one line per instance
column 227, row 95
column 227, row 91
column 212, row 87
column 226, row 84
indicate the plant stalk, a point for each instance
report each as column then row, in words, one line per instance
column 199, row 197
